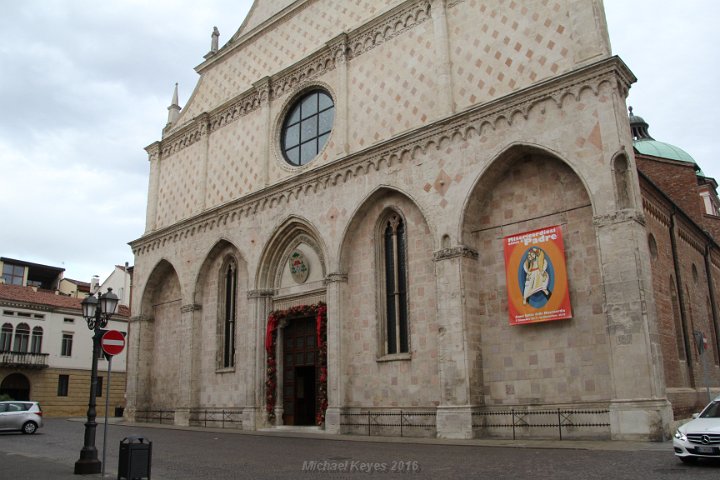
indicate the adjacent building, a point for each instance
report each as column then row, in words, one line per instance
column 425, row 207
column 46, row 346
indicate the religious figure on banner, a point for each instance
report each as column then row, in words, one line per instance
column 537, row 277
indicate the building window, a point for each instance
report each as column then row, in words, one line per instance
column 36, row 340
column 13, row 274
column 68, row 320
column 394, row 287
column 22, row 338
column 99, row 387
column 66, row 347
column 229, row 304
column 63, row 385
column 6, row 337
column 307, row 127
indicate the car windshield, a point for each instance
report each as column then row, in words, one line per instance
column 711, row 411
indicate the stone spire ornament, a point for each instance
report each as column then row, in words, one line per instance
column 174, row 108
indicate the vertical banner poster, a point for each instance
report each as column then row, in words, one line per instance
column 536, row 276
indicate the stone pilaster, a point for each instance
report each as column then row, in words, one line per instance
column 137, row 364
column 443, row 65
column 339, row 48
column 204, row 122
column 262, row 87
column 154, row 153
column 454, row 414
column 335, row 285
column 186, row 380
column 639, row 409
column 259, row 305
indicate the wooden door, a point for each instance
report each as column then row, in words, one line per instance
column 300, row 372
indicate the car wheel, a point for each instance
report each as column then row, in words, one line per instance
column 688, row 460
column 29, row 427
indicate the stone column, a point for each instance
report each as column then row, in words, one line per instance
column 338, row 47
column 639, row 409
column 443, row 65
column 454, row 414
column 186, row 381
column 262, row 87
column 154, row 153
column 336, row 283
column 259, row 305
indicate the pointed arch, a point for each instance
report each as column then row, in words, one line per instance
column 377, row 195
column 220, row 293
column 504, row 165
column 293, row 231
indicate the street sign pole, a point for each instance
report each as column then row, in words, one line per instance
column 107, row 406
column 112, row 343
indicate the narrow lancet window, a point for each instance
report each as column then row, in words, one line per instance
column 396, row 338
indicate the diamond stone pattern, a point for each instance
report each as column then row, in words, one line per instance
column 288, row 42
column 392, row 87
column 505, row 46
column 179, row 186
column 235, row 162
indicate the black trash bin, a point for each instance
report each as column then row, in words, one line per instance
column 135, row 458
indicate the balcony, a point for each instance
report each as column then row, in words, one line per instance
column 23, row 360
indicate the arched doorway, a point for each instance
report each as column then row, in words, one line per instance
column 17, row 386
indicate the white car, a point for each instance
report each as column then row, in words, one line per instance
column 25, row 417
column 700, row 437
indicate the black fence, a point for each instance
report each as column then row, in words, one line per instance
column 543, row 423
column 155, row 416
column 390, row 423
column 217, row 418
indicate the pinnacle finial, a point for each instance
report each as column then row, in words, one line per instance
column 174, row 108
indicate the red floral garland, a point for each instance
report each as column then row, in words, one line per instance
column 319, row 311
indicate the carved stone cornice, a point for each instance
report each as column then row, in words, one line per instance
column 455, row 252
column 190, row 307
column 336, row 277
column 140, row 318
column 260, row 293
column 610, row 72
column 620, row 216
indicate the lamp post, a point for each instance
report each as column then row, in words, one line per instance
column 97, row 312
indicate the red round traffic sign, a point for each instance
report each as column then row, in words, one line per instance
column 112, row 342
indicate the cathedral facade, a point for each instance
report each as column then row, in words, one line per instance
column 400, row 205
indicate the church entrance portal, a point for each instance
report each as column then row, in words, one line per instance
column 300, row 372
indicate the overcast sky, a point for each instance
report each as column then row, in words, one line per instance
column 85, row 86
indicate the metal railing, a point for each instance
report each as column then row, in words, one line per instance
column 527, row 422
column 216, row 417
column 390, row 423
column 23, row 360
column 155, row 416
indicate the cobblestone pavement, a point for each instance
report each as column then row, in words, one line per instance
column 196, row 453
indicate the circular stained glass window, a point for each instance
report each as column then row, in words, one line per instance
column 307, row 127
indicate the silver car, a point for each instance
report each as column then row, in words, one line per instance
column 19, row 415
column 700, row 437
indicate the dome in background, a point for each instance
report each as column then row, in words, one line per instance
column 645, row 144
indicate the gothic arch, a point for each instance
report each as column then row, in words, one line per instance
column 504, row 164
column 358, row 215
column 156, row 281
column 293, row 231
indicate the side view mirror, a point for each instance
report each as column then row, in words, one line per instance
column 695, row 415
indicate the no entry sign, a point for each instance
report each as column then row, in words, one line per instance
column 112, row 342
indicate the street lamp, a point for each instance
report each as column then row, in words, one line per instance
column 96, row 313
